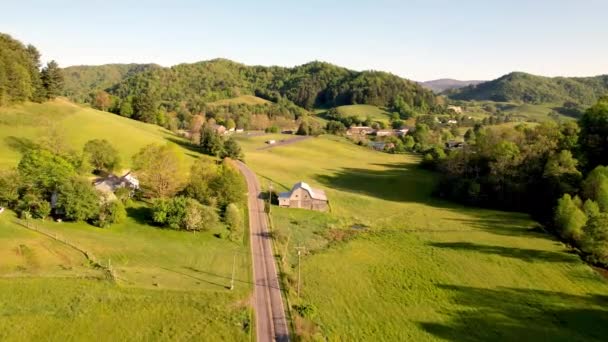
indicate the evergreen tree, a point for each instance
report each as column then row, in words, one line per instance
column 52, row 80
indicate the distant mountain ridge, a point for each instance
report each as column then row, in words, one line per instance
column 533, row 89
column 314, row 84
column 443, row 84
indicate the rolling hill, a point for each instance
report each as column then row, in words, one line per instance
column 390, row 262
column 443, row 84
column 315, row 84
column 528, row 88
column 171, row 285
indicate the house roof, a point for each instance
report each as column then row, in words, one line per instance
column 314, row 193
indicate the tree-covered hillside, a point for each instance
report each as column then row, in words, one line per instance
column 20, row 76
column 191, row 86
column 81, row 80
column 527, row 88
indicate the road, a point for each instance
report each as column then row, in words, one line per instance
column 285, row 142
column 270, row 320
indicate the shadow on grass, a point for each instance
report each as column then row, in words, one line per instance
column 400, row 182
column 141, row 215
column 19, row 144
column 184, row 143
column 211, row 274
column 511, row 314
column 529, row 255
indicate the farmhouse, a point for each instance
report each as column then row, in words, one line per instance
column 112, row 182
column 359, row 130
column 305, row 197
column 455, row 109
column 219, row 129
column 385, row 132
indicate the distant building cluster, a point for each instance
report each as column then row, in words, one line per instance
column 365, row 130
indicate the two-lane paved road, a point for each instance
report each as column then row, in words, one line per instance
column 271, row 323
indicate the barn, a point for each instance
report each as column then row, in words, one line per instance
column 304, row 196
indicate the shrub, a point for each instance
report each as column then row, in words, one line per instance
column 569, row 218
column 110, row 213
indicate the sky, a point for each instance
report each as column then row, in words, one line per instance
column 416, row 39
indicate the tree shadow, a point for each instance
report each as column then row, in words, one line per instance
column 185, row 144
column 141, row 215
column 20, row 144
column 399, row 182
column 528, row 255
column 511, row 314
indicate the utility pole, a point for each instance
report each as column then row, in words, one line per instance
column 299, row 249
column 269, row 196
column 233, row 270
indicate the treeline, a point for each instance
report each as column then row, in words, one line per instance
column 528, row 169
column 187, row 89
column 527, row 88
column 82, row 81
column 20, row 76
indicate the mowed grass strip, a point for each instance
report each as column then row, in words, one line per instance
column 412, row 267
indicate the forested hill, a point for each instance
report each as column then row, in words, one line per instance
column 527, row 88
column 444, row 84
column 314, row 84
column 82, row 80
column 19, row 74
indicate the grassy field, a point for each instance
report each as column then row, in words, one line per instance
column 389, row 262
column 30, row 123
column 243, row 99
column 168, row 285
column 364, row 111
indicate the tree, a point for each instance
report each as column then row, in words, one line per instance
column 146, row 104
column 102, row 100
column 9, row 187
column 126, row 108
column 561, row 170
column 234, row 221
column 335, row 127
column 52, row 80
column 569, row 219
column 591, row 208
column 199, row 217
column 184, row 213
column 229, row 186
column 232, row 150
column 202, row 173
column 102, row 155
column 211, row 142
column 595, row 239
column 594, row 134
column 595, row 187
column 111, row 212
column 78, row 200
column 43, row 170
column 159, row 169
column 230, row 124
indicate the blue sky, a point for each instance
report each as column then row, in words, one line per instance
column 417, row 39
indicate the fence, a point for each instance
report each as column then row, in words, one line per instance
column 28, row 224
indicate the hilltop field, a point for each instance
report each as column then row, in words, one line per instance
column 390, row 262
column 167, row 285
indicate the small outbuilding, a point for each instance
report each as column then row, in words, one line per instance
column 304, row 196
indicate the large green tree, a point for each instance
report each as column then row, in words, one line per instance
column 52, row 80
column 102, row 155
column 78, row 200
column 594, row 134
column 159, row 169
